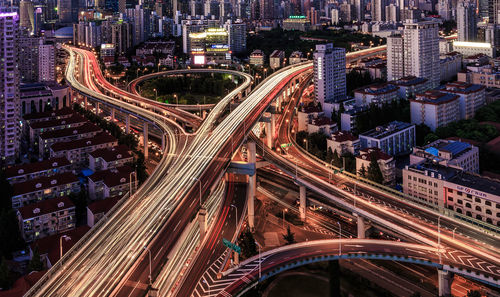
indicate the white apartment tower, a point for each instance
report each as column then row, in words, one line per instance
column 466, row 21
column 416, row 53
column 395, row 67
column 378, row 10
column 9, row 88
column 46, row 62
column 329, row 73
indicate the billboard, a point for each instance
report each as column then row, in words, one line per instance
column 199, row 60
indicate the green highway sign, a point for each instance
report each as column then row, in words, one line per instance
column 231, row 245
column 283, row 145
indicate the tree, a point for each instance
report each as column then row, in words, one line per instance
column 35, row 263
column 289, row 237
column 329, row 155
column 6, row 190
column 247, row 244
column 10, row 236
column 373, row 172
column 473, row 293
column 80, row 201
column 337, row 162
column 362, row 171
column 5, row 279
column 431, row 137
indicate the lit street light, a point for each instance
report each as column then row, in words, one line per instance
column 149, row 251
column 236, row 220
column 284, row 210
column 66, row 238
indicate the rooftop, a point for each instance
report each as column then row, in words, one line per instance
column 409, row 81
column 377, row 89
column 368, row 153
column 477, row 182
column 29, row 168
column 74, row 119
column 43, row 182
column 100, row 138
column 45, row 207
column 461, row 87
column 386, row 130
column 341, row 136
column 112, row 177
column 434, row 97
column 50, row 245
column 113, row 153
column 440, row 171
column 104, row 205
column 85, row 128
column 65, row 111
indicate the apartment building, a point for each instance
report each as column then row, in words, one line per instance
column 116, row 156
column 46, row 139
column 386, row 163
column 77, row 150
column 410, row 85
column 343, row 142
column 29, row 171
column 111, row 182
column 39, row 127
column 376, row 94
column 45, row 187
column 434, row 109
column 46, row 218
column 394, row 138
column 471, row 97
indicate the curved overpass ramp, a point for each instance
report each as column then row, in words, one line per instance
column 237, row 280
column 132, row 86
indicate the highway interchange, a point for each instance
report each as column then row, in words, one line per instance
column 113, row 259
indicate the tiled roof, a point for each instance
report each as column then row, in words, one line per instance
column 65, row 111
column 103, row 206
column 44, row 182
column 75, row 118
column 100, row 138
column 341, row 136
column 113, row 153
column 367, row 153
column 45, row 207
column 36, row 167
column 85, row 128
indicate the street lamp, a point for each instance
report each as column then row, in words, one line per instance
column 307, row 144
column 236, row 221
column 284, row 210
column 130, row 180
column 176, row 100
column 340, row 237
column 260, row 269
column 156, row 94
column 66, row 238
column 149, row 251
column 198, row 180
column 454, row 232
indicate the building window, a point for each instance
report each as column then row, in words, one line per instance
column 488, row 212
column 477, row 199
column 467, row 205
column 450, row 198
column 460, row 201
column 487, row 203
column 478, row 208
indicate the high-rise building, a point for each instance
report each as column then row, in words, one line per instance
column 360, row 9
column 415, row 53
column 392, row 13
column 26, row 15
column 395, row 66
column 28, row 58
column 444, row 9
column 121, row 36
column 421, row 50
column 329, row 74
column 46, row 62
column 141, row 22
column 493, row 11
column 466, row 21
column 237, row 35
column 378, row 10
column 266, row 9
column 68, row 11
column 9, row 88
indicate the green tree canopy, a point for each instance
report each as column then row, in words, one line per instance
column 289, row 237
column 35, row 263
column 247, row 244
column 373, row 172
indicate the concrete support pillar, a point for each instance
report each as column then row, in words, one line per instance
column 204, row 114
column 269, row 135
column 146, row 139
column 85, row 102
column 361, row 227
column 303, row 203
column 236, row 258
column 127, row 123
column 273, row 126
column 163, row 142
column 444, row 279
column 97, row 108
column 112, row 114
column 202, row 221
column 252, row 184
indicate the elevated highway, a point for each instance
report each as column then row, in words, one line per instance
column 111, row 260
column 258, row 268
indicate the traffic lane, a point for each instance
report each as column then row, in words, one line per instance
column 213, row 248
column 314, row 250
column 400, row 220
